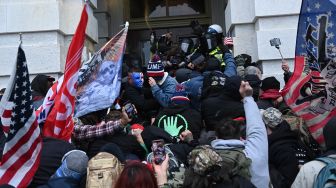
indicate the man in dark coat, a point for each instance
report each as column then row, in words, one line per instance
column 179, row 116
column 225, row 105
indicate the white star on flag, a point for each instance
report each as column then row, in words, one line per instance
column 330, row 24
column 317, row 5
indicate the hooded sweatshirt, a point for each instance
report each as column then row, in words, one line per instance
column 256, row 145
column 184, row 115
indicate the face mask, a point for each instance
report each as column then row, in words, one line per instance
column 137, row 78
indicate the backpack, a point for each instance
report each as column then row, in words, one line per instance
column 327, row 175
column 238, row 161
column 103, row 171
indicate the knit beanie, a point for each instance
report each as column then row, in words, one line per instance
column 270, row 83
column 272, row 117
column 329, row 133
column 180, row 95
column 155, row 68
column 74, row 164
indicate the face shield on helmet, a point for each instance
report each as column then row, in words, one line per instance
column 187, row 46
column 208, row 42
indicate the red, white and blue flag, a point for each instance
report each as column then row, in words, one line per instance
column 21, row 154
column 311, row 91
column 228, row 41
column 58, row 106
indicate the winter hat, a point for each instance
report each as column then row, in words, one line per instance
column 231, row 87
column 213, row 64
column 155, row 68
column 180, row 96
column 74, row 164
column 272, row 117
column 270, row 83
column 329, row 132
column 197, row 58
column 203, row 160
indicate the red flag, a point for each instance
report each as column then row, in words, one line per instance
column 21, row 154
column 59, row 122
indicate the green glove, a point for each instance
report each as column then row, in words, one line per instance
column 170, row 126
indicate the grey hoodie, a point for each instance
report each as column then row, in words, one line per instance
column 256, row 145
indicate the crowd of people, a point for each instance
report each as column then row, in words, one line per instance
column 220, row 122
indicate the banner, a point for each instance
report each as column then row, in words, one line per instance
column 311, row 91
column 100, row 78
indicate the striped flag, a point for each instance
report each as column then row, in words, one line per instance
column 311, row 91
column 228, row 41
column 58, row 106
column 21, row 154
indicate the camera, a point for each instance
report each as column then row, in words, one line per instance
column 275, row 42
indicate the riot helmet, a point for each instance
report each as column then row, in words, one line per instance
column 208, row 42
column 187, row 46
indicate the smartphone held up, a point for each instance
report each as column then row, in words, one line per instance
column 159, row 151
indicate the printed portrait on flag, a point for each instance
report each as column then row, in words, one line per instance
column 100, row 78
column 311, row 91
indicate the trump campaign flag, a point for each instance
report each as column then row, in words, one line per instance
column 100, row 78
column 21, row 153
column 58, row 106
column 311, row 91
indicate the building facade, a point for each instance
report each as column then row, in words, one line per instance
column 47, row 27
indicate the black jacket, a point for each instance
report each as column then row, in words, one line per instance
column 215, row 108
column 226, row 104
column 145, row 104
column 282, row 153
column 192, row 117
column 52, row 153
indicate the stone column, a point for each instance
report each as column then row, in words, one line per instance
column 47, row 27
column 254, row 22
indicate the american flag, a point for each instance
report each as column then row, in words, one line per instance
column 58, row 106
column 228, row 41
column 21, row 154
column 311, row 91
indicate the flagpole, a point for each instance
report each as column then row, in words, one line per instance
column 20, row 39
